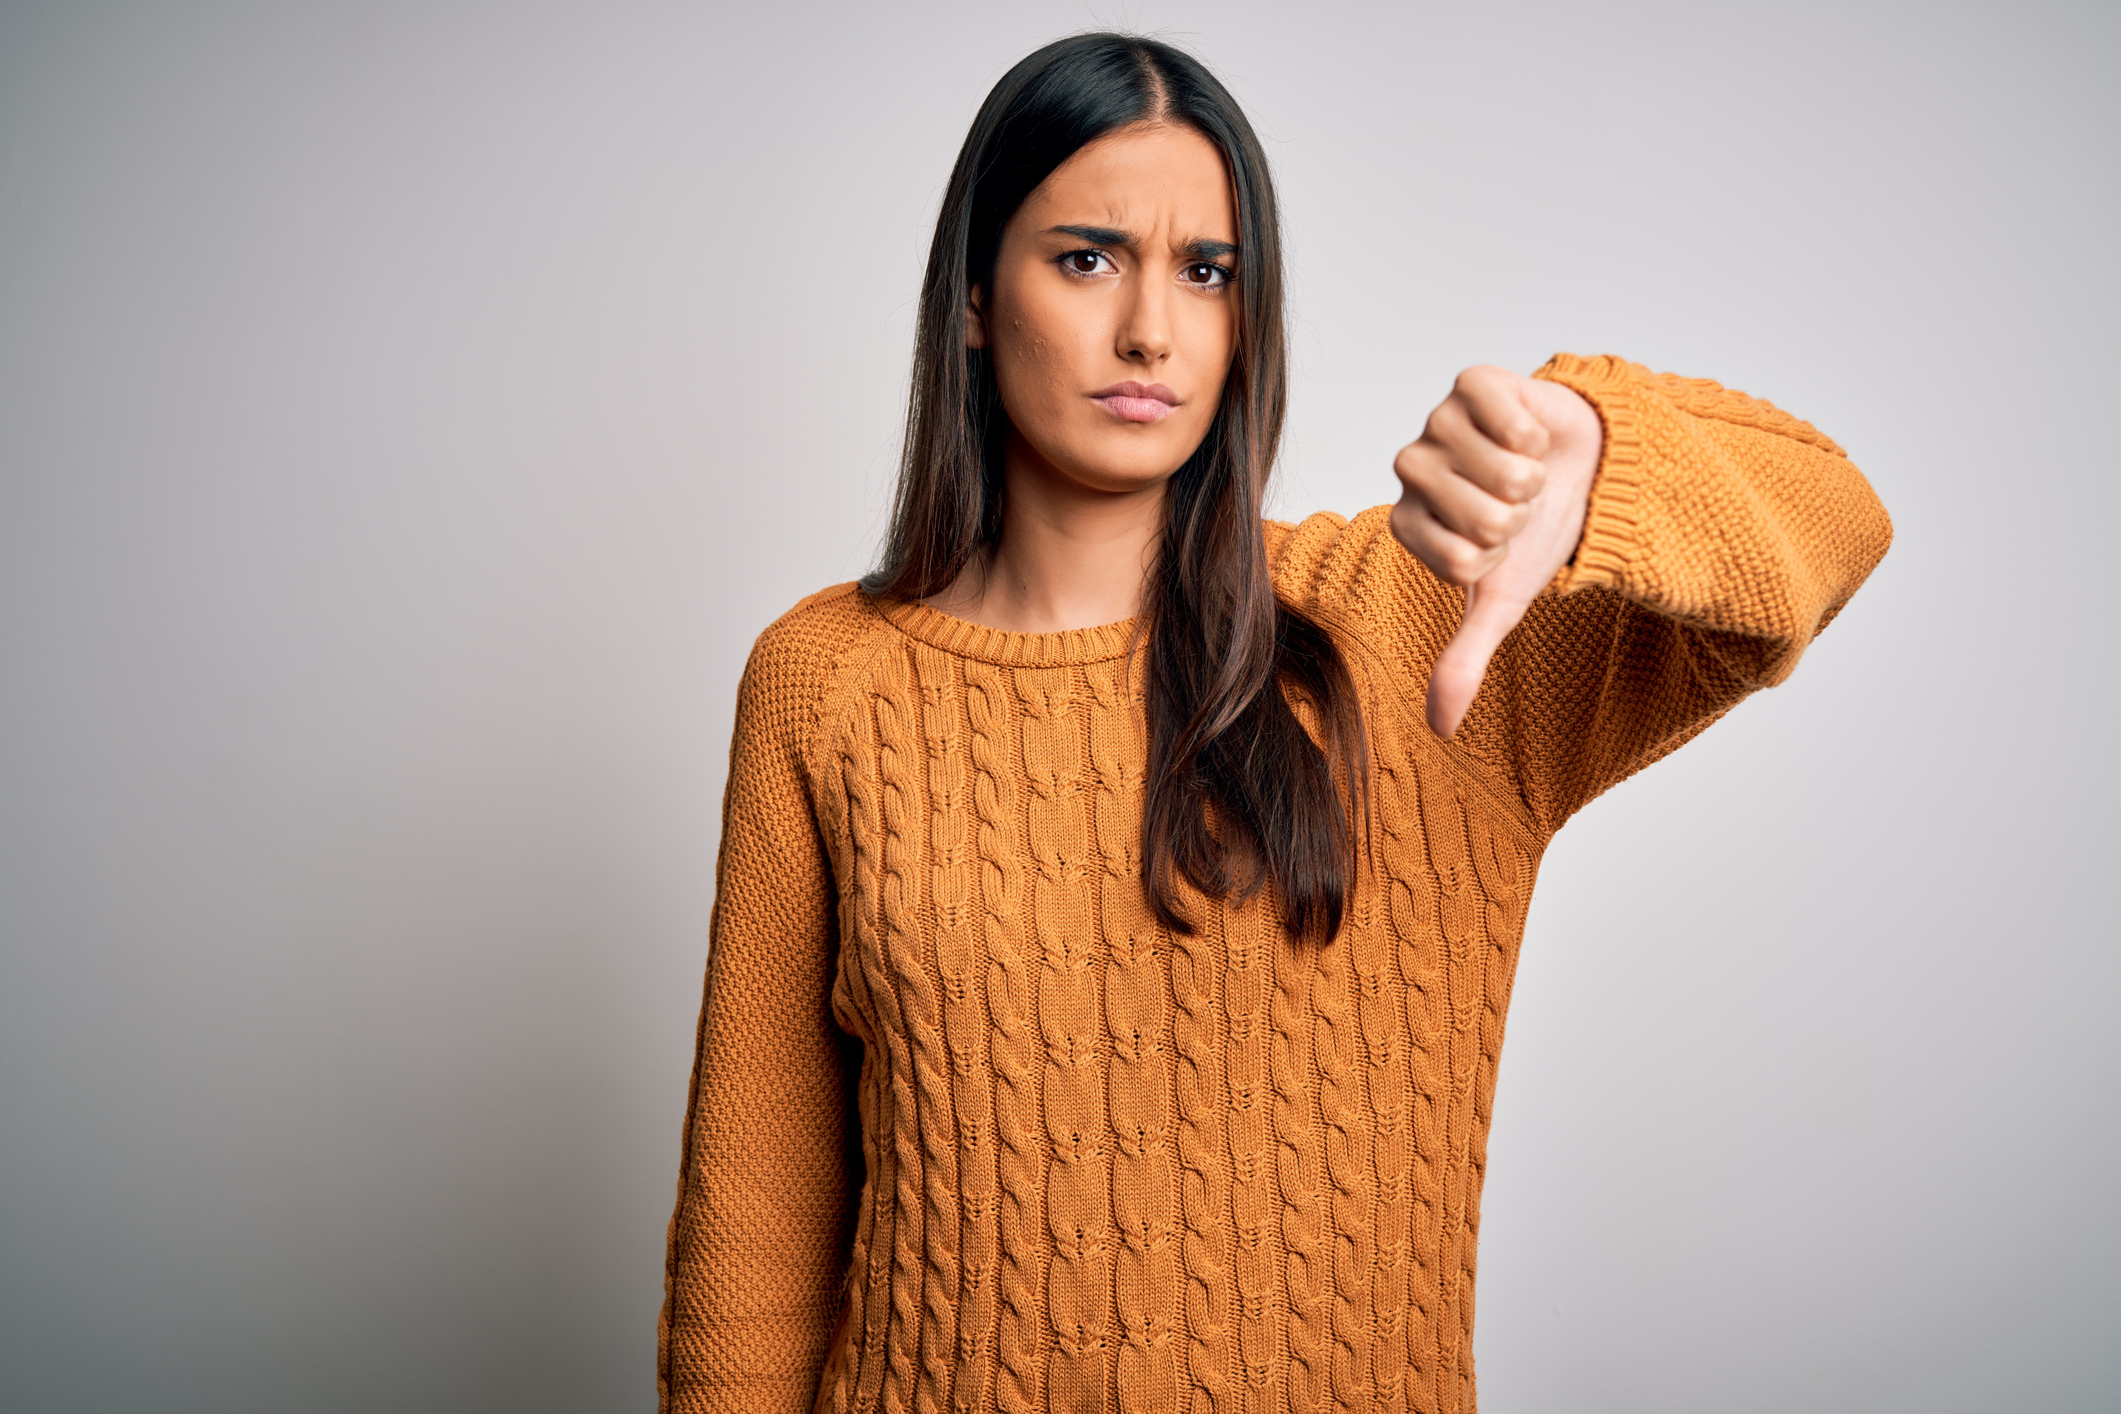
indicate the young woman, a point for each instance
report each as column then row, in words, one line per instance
column 1113, row 937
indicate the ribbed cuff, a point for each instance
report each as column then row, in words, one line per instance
column 1610, row 542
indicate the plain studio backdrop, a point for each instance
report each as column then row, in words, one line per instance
column 409, row 414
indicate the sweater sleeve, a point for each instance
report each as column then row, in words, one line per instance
column 1722, row 535
column 759, row 1240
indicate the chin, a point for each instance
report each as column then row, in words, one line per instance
column 1129, row 466
column 1132, row 474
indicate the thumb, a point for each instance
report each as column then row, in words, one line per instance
column 1454, row 681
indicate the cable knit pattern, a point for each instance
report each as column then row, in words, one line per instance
column 1079, row 1137
column 964, row 1023
column 902, row 757
column 879, row 863
column 1346, row 1135
column 1199, row 1034
column 1142, row 1102
column 969, row 1131
column 1247, row 1103
column 1011, row 989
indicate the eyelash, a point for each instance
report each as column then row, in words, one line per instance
column 1225, row 272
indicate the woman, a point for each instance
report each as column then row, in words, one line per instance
column 1109, row 964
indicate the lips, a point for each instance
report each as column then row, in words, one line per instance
column 1138, row 402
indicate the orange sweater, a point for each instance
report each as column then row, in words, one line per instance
column 968, row 1131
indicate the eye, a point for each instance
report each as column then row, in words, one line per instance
column 1205, row 273
column 1085, row 262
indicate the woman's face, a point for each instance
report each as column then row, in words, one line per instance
column 1113, row 316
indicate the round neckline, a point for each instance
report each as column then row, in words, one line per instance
column 966, row 639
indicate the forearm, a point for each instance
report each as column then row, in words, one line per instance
column 1719, row 510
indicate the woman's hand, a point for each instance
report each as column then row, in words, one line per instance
column 1495, row 495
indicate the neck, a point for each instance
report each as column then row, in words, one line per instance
column 1070, row 556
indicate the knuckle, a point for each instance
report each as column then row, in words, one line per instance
column 1486, row 521
column 1430, row 468
column 1464, row 563
column 1417, row 532
column 1443, row 418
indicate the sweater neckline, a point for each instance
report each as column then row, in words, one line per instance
column 965, row 639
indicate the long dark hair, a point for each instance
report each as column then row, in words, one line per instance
column 1237, row 793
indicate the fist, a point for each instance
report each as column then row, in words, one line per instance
column 1493, row 498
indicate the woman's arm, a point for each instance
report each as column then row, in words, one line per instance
column 759, row 1241
column 1718, row 536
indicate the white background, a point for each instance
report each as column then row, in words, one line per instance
column 410, row 413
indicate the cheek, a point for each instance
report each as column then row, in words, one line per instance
column 1028, row 358
column 1212, row 336
column 1047, row 334
column 1039, row 362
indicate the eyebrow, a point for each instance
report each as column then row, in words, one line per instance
column 1202, row 249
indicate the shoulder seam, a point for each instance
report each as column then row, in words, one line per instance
column 845, row 667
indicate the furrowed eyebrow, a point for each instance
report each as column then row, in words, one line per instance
column 1095, row 235
column 1202, row 249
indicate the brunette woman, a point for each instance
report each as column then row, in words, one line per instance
column 1119, row 895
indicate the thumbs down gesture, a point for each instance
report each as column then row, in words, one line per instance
column 1494, row 496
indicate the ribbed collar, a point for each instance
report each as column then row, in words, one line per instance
column 993, row 645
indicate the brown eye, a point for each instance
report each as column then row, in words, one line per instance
column 1083, row 262
column 1202, row 272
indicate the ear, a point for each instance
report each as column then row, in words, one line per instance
column 975, row 319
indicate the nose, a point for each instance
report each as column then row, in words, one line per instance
column 1144, row 333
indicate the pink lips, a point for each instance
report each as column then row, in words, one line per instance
column 1138, row 402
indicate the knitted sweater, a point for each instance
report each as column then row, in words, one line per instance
column 969, row 1131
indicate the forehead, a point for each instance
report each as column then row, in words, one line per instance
column 1140, row 178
